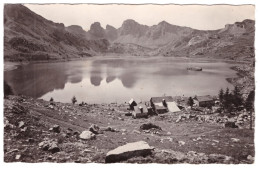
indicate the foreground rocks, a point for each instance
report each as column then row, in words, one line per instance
column 84, row 134
column 87, row 135
column 140, row 148
column 49, row 145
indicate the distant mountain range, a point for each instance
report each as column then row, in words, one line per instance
column 28, row 36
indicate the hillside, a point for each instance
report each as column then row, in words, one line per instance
column 41, row 131
column 28, row 36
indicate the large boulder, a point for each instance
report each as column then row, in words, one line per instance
column 140, row 148
column 87, row 135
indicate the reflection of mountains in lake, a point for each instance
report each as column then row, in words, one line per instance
column 38, row 79
column 108, row 79
column 126, row 75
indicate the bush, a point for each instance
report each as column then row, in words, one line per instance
column 73, row 100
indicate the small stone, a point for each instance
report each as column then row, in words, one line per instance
column 136, row 131
column 56, row 128
column 24, row 129
column 181, row 143
column 249, row 157
column 51, row 106
column 169, row 133
column 87, row 151
column 216, row 141
column 95, row 129
column 123, row 130
column 199, row 139
column 53, row 147
column 17, row 157
column 21, row 124
column 235, row 140
column 87, row 135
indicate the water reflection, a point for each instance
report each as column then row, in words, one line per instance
column 36, row 79
column 103, row 80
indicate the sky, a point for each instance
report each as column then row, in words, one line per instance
column 203, row 17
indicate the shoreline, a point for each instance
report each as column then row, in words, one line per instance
column 8, row 66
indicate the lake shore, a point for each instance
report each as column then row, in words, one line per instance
column 241, row 74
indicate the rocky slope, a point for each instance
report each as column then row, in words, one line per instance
column 31, row 37
column 42, row 131
column 28, row 36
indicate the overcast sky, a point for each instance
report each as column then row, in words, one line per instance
column 195, row 16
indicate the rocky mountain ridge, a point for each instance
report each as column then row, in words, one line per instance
column 28, row 36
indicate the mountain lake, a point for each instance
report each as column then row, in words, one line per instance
column 118, row 79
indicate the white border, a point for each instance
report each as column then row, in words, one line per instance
column 126, row 166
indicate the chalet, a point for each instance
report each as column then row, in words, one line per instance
column 140, row 111
column 203, row 101
column 132, row 103
column 164, row 104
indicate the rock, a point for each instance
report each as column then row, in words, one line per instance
column 249, row 157
column 87, row 135
column 30, row 140
column 140, row 148
column 87, row 151
column 95, row 129
column 75, row 133
column 136, row 131
column 53, row 147
column 24, row 129
column 128, row 114
column 123, row 130
column 51, row 107
column 21, row 124
column 17, row 157
column 235, row 140
column 168, row 133
column 181, row 143
column 108, row 129
column 14, row 150
column 149, row 126
column 18, row 109
column 230, row 125
column 44, row 145
column 219, row 158
column 216, row 141
column 56, row 128
column 199, row 138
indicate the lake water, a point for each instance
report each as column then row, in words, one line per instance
column 106, row 80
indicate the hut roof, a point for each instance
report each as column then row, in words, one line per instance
column 137, row 108
column 160, row 99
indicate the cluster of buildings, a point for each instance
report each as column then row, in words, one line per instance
column 164, row 104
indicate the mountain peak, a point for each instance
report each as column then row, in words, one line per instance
column 163, row 23
column 96, row 30
column 109, row 27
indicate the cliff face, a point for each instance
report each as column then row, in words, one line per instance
column 234, row 41
column 28, row 36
